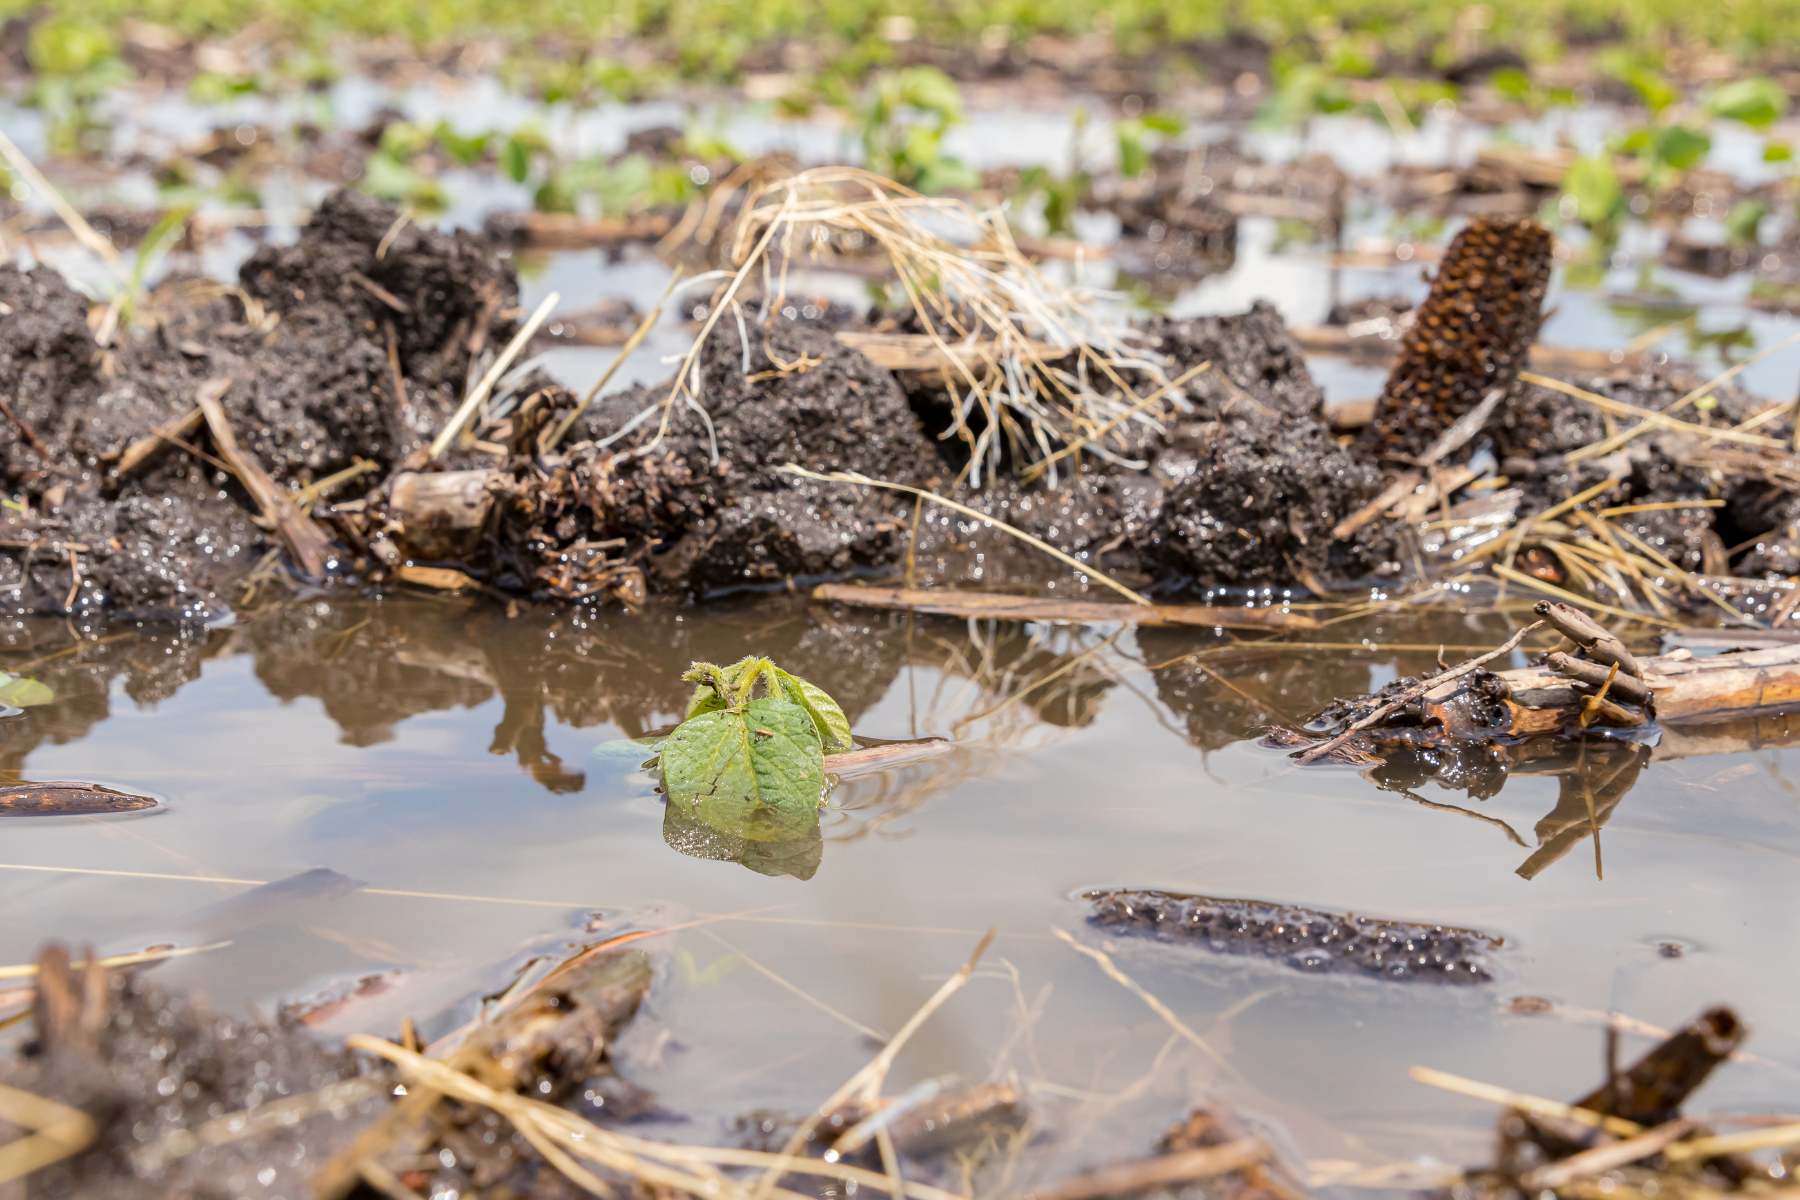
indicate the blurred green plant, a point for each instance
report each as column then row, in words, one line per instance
column 1062, row 196
column 902, row 125
column 390, row 172
column 1138, row 138
column 75, row 63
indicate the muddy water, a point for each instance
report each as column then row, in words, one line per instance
column 465, row 767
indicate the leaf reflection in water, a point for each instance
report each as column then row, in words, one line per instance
column 769, row 841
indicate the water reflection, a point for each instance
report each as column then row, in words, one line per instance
column 1594, row 773
column 788, row 844
column 372, row 665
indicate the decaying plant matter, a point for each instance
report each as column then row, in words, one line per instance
column 1473, row 333
column 1031, row 367
column 1627, row 1138
column 1589, row 681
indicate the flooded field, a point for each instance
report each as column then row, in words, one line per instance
column 464, row 772
column 375, row 803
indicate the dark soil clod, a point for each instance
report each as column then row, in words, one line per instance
column 1305, row 939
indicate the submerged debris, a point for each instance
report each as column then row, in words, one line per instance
column 1626, row 1138
column 1305, row 939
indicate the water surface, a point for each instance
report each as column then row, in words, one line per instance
column 444, row 755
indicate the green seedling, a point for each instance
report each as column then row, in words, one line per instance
column 903, row 124
column 747, row 765
column 1139, row 137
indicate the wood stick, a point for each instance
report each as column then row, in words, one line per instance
column 1687, row 689
column 304, row 539
column 1336, row 339
column 1581, row 670
column 29, row 434
column 146, row 450
column 873, row 758
column 1609, row 1157
column 486, row 385
column 1536, row 1105
column 1393, row 494
column 1152, row 1172
column 1074, row 612
column 1778, row 1138
column 1599, row 641
column 918, row 352
column 380, row 293
column 1413, row 693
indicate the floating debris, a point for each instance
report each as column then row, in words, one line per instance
column 60, row 799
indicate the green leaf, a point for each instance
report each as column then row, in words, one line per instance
column 1134, row 155
column 1510, row 81
column 1744, row 221
column 827, row 717
column 1778, row 152
column 1594, row 183
column 750, row 773
column 19, row 692
column 1757, row 101
column 930, row 90
column 1681, row 147
column 515, row 159
column 1655, row 91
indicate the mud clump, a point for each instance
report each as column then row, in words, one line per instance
column 1254, row 502
column 1255, row 362
column 312, row 341
column 710, row 510
column 1472, row 334
column 447, row 295
column 151, row 1067
column 1540, row 427
column 1302, row 938
column 353, row 347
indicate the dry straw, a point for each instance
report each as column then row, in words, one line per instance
column 1028, row 365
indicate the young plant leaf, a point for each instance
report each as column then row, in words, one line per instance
column 752, row 772
column 1681, row 147
column 1757, row 101
column 828, row 718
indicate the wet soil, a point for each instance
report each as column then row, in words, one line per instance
column 1537, row 429
column 151, row 1067
column 313, row 391
column 1304, row 939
